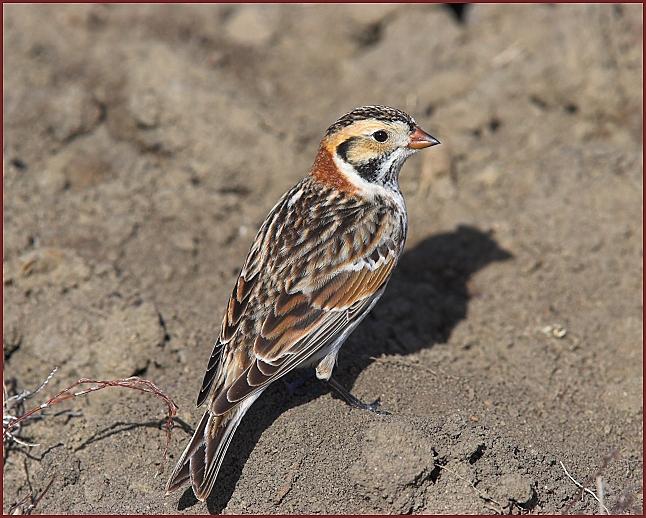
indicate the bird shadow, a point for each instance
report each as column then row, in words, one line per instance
column 426, row 298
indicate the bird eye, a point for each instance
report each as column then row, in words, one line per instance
column 380, row 136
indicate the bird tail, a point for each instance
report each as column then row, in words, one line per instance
column 202, row 458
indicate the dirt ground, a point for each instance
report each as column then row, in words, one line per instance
column 145, row 144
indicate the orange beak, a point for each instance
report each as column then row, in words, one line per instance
column 419, row 139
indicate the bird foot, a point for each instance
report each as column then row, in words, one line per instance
column 355, row 402
column 374, row 407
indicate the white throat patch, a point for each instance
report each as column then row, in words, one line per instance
column 370, row 189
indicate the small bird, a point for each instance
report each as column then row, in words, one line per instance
column 317, row 266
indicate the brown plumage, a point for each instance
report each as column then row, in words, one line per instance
column 319, row 262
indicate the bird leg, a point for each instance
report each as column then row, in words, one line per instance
column 354, row 401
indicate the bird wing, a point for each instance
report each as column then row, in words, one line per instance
column 302, row 323
column 236, row 307
column 309, row 276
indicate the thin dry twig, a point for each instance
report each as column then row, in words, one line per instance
column 133, row 382
column 9, row 402
column 35, row 498
column 15, row 404
column 586, row 490
column 26, row 394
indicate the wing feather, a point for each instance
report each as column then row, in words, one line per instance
column 287, row 340
column 261, row 372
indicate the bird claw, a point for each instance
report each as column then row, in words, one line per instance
column 374, row 407
column 355, row 402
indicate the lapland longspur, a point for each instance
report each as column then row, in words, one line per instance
column 317, row 266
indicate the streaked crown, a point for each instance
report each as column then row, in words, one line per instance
column 377, row 112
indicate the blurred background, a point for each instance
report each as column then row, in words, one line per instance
column 144, row 145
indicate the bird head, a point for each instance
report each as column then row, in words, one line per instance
column 370, row 144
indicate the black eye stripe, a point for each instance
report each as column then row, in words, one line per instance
column 342, row 149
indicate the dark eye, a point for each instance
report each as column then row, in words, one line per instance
column 380, row 136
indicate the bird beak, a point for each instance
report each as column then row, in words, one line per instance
column 419, row 139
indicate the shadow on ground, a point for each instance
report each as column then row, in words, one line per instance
column 426, row 298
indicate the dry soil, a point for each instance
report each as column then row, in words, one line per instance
column 144, row 145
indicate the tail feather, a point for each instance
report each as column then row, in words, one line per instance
column 181, row 473
column 179, row 478
column 201, row 460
